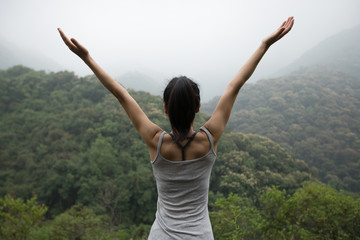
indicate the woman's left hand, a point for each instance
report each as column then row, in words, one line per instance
column 280, row 32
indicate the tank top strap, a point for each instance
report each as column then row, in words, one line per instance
column 160, row 142
column 209, row 136
column 182, row 148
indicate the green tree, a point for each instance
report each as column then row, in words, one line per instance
column 78, row 223
column 235, row 217
column 315, row 211
column 19, row 218
column 248, row 164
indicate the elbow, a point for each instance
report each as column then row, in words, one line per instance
column 233, row 90
column 119, row 93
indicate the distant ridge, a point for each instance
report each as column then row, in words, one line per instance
column 11, row 55
column 340, row 51
column 138, row 81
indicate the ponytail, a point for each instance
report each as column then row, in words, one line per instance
column 182, row 100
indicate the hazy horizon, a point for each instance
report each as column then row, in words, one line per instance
column 207, row 41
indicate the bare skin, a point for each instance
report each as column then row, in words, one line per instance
column 149, row 131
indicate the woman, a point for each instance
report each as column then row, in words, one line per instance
column 182, row 160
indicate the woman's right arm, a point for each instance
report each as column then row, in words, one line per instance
column 147, row 129
column 216, row 124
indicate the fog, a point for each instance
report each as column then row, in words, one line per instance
column 205, row 40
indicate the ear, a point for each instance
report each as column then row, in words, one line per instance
column 197, row 110
column 165, row 109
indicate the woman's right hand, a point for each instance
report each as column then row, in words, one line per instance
column 279, row 33
column 75, row 46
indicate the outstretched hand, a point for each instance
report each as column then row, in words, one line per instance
column 75, row 46
column 280, row 32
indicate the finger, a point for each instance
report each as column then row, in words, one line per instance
column 289, row 22
column 65, row 39
column 288, row 26
column 283, row 24
column 63, row 36
column 78, row 45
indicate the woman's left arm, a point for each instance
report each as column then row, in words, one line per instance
column 147, row 129
column 216, row 124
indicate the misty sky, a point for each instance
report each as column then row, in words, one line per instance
column 203, row 39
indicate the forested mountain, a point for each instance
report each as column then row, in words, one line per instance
column 340, row 51
column 314, row 113
column 68, row 141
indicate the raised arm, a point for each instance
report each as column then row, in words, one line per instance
column 143, row 125
column 216, row 124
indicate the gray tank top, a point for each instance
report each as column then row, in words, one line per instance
column 183, row 187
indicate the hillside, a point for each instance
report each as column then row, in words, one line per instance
column 340, row 51
column 67, row 140
column 313, row 113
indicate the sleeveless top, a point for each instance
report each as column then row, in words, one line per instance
column 183, row 187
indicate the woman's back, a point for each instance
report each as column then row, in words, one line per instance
column 198, row 147
column 183, row 186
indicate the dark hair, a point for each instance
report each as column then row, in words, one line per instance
column 182, row 100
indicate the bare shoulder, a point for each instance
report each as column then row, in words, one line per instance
column 204, row 142
column 153, row 143
column 212, row 130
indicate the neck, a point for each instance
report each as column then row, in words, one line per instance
column 190, row 133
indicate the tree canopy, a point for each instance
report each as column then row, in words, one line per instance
column 67, row 141
column 314, row 114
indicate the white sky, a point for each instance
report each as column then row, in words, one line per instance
column 207, row 40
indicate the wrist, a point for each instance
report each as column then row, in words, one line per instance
column 87, row 59
column 264, row 45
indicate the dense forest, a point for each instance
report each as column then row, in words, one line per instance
column 314, row 114
column 72, row 166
